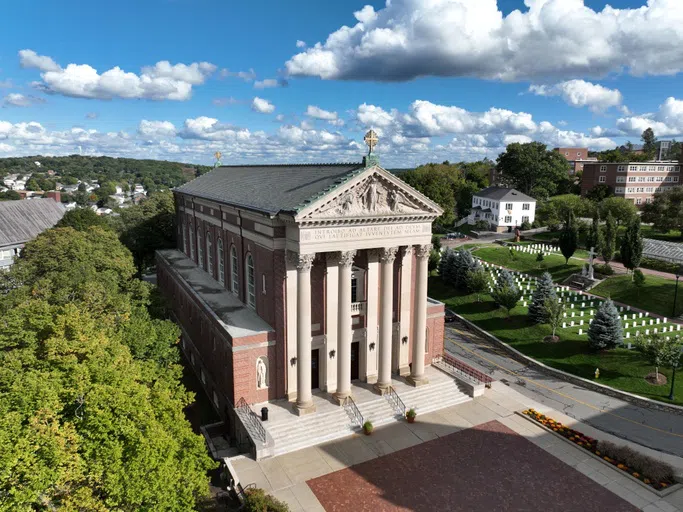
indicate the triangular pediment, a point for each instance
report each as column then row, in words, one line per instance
column 372, row 193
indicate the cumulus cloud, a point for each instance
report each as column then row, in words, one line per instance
column 413, row 38
column 301, row 44
column 156, row 129
column 666, row 122
column 318, row 113
column 20, row 100
column 222, row 102
column 163, row 81
column 247, row 76
column 579, row 93
column 262, row 106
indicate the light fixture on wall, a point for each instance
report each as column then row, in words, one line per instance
column 333, row 353
column 404, row 340
column 292, row 361
column 372, row 346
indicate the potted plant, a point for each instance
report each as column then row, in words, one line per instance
column 368, row 428
column 410, row 415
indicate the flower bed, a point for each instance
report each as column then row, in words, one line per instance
column 593, row 446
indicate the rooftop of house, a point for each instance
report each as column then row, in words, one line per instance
column 504, row 194
column 270, row 189
column 24, row 220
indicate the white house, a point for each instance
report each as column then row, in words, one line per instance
column 503, row 208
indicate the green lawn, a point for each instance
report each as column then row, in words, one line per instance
column 620, row 368
column 524, row 262
column 656, row 296
column 647, row 231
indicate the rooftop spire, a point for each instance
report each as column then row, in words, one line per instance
column 371, row 141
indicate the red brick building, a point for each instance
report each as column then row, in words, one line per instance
column 636, row 181
column 577, row 158
column 292, row 278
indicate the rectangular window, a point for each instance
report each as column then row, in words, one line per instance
column 263, row 283
column 354, row 290
column 525, row 206
column 603, row 168
column 648, row 200
column 653, row 168
column 649, row 189
column 633, row 168
column 650, row 179
column 621, row 179
column 659, row 178
column 525, row 218
column 508, row 218
column 675, row 179
column 508, row 206
column 641, row 179
column 643, row 168
column 638, row 200
column 677, row 169
column 630, row 190
column 603, row 179
column 668, row 178
column 621, row 168
column 619, row 190
column 640, row 189
column 632, row 179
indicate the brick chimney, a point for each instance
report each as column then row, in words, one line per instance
column 54, row 194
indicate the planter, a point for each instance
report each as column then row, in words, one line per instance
column 368, row 428
column 367, row 431
column 411, row 419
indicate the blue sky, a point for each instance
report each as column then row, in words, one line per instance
column 438, row 79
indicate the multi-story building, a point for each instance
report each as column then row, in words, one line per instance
column 502, row 208
column 577, row 158
column 293, row 278
column 636, row 181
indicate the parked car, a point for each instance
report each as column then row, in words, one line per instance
column 449, row 316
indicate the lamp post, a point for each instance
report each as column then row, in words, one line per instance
column 673, row 314
column 673, row 375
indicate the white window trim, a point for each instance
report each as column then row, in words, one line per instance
column 250, row 280
column 221, row 262
column 234, row 275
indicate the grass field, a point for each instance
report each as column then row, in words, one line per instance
column 621, row 368
column 647, row 232
column 524, row 262
column 656, row 296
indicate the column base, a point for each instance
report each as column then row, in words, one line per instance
column 382, row 389
column 340, row 398
column 371, row 379
column 291, row 396
column 304, row 409
column 417, row 381
column 404, row 371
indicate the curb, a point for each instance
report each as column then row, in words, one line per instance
column 579, row 381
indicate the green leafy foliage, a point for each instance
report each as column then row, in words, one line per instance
column 638, row 278
column 594, row 236
column 507, row 297
column 605, row 331
column 257, row 500
column 631, row 250
column 609, row 239
column 665, row 212
column 660, row 350
column 82, row 219
column 649, row 142
column 545, row 290
column 553, row 313
column 569, row 239
column 532, row 169
column 477, row 281
column 623, row 210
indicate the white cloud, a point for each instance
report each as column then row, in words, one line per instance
column 550, row 38
column 247, row 76
column 222, row 102
column 262, row 106
column 163, row 81
column 319, row 113
column 579, row 93
column 666, row 122
column 266, row 84
column 301, row 44
column 156, row 129
column 20, row 100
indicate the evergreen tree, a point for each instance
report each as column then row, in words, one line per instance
column 477, row 282
column 609, row 241
column 594, row 237
column 632, row 246
column 463, row 264
column 545, row 290
column 447, row 267
column 605, row 332
column 504, row 280
column 569, row 238
column 443, row 264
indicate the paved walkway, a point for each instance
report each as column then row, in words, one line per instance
column 291, row 477
column 657, row 430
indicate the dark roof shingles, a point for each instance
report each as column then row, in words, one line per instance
column 500, row 193
column 21, row 221
column 270, row 188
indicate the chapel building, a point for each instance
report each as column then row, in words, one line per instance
column 293, row 279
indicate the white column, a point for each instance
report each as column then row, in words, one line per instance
column 417, row 377
column 292, row 263
column 402, row 359
column 386, row 319
column 331, row 310
column 371, row 319
column 304, row 397
column 344, row 331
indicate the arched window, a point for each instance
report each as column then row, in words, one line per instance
column 251, row 282
column 209, row 253
column 200, row 248
column 191, row 236
column 221, row 262
column 235, row 280
column 183, row 236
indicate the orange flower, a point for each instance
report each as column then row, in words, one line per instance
column 647, row 480
column 663, row 484
column 636, row 475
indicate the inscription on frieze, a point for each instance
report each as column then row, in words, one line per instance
column 363, row 232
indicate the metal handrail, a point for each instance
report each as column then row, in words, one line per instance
column 466, row 370
column 392, row 396
column 252, row 418
column 349, row 404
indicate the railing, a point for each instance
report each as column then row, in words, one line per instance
column 252, row 420
column 358, row 308
column 464, row 369
column 396, row 401
column 351, row 407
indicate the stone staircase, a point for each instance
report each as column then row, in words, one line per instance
column 332, row 422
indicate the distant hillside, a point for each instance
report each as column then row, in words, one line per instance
column 76, row 167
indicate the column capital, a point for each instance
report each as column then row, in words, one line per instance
column 303, row 262
column 422, row 251
column 346, row 258
column 388, row 254
column 406, row 250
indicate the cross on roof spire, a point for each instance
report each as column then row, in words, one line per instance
column 371, row 140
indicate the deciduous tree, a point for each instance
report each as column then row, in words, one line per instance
column 609, row 240
column 532, row 169
column 665, row 212
column 477, row 282
column 632, row 245
column 623, row 210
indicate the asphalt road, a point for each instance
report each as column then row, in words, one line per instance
column 655, row 429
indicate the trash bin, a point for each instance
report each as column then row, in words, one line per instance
column 264, row 413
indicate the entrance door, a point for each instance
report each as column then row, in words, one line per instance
column 315, row 372
column 355, row 360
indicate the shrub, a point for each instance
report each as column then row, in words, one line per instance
column 526, row 225
column 539, row 258
column 256, row 500
column 662, row 266
column 604, row 269
column 638, row 278
column 653, row 469
column 481, row 225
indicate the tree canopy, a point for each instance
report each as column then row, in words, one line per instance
column 665, row 212
column 532, row 169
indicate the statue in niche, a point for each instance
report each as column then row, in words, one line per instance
column 261, row 374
